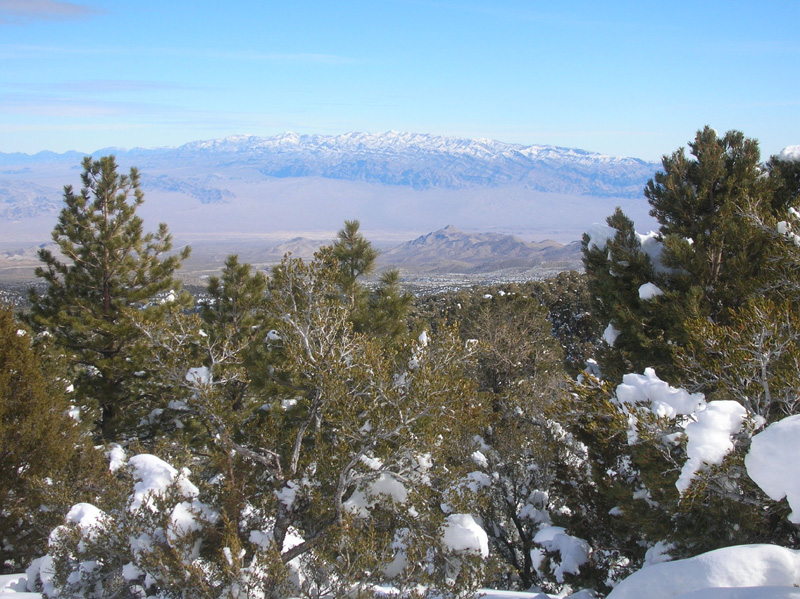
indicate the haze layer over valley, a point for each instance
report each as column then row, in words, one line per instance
column 255, row 195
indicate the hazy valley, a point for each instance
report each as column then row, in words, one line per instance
column 445, row 211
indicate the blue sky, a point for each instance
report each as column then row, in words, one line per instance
column 628, row 79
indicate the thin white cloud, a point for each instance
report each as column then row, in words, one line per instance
column 111, row 86
column 17, row 50
column 531, row 13
column 90, row 87
column 248, row 55
column 62, row 106
column 24, row 11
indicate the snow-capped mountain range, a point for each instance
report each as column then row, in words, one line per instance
column 390, row 181
column 420, row 161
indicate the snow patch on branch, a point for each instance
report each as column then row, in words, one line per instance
column 573, row 552
column 154, row 476
column 790, row 154
column 462, row 533
column 610, row 335
column 649, row 291
column 599, row 235
column 709, row 427
column 710, row 438
column 665, row 400
column 772, row 462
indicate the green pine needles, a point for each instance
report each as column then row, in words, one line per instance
column 104, row 268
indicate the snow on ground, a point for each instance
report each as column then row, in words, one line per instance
column 13, row 586
column 744, row 593
column 720, row 574
column 489, row 594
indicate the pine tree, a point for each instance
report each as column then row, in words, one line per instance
column 382, row 312
column 386, row 313
column 104, row 268
column 638, row 330
column 714, row 256
column 356, row 257
column 235, row 321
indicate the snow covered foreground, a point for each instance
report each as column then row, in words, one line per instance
column 14, row 586
column 741, row 572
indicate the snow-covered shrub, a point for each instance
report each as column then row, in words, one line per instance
column 328, row 443
column 141, row 548
column 162, row 541
column 665, row 465
column 560, row 553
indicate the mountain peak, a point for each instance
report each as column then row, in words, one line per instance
column 418, row 160
column 452, row 250
column 425, row 161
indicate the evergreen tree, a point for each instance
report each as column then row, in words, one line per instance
column 717, row 320
column 617, row 270
column 37, row 441
column 356, row 258
column 755, row 359
column 710, row 255
column 235, row 321
column 352, row 445
column 519, row 367
column 105, row 267
column 567, row 299
column 784, row 175
column 387, row 309
column 715, row 253
column 782, row 227
column 382, row 312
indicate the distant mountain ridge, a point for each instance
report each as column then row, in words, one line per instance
column 419, row 161
column 446, row 251
column 394, row 183
column 455, row 251
column 22, row 199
